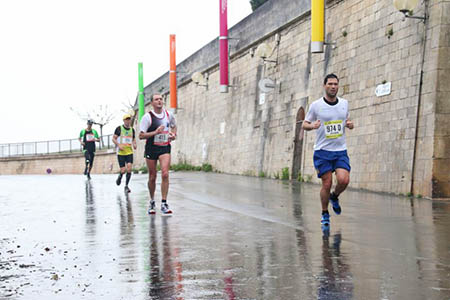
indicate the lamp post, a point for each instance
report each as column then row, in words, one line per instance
column 407, row 7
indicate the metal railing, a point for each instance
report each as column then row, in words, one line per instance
column 51, row 147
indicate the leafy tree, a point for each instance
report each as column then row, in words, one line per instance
column 256, row 3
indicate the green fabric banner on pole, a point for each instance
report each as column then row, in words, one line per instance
column 141, row 91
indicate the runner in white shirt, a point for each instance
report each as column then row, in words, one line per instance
column 329, row 115
column 159, row 128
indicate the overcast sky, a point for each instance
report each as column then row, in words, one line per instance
column 57, row 54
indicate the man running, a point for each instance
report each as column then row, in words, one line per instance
column 329, row 115
column 87, row 138
column 159, row 128
column 126, row 143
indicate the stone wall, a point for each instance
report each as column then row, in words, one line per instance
column 439, row 29
column 401, row 141
column 104, row 163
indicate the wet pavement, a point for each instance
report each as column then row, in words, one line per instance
column 231, row 237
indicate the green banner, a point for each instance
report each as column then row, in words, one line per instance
column 141, row 91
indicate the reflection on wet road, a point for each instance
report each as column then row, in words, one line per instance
column 231, row 237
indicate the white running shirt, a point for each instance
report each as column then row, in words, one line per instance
column 330, row 135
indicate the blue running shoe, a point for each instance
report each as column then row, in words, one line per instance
column 335, row 203
column 325, row 220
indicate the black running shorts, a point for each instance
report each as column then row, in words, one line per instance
column 125, row 159
column 153, row 152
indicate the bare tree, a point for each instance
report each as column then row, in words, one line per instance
column 100, row 115
column 129, row 109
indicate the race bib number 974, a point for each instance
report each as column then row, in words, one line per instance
column 334, row 129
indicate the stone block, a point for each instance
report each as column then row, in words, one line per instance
column 443, row 79
column 442, row 147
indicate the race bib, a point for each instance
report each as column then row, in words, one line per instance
column 90, row 137
column 334, row 129
column 126, row 140
column 161, row 139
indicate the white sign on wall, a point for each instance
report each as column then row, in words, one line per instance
column 383, row 89
column 222, row 128
column 262, row 98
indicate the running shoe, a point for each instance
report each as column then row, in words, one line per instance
column 335, row 203
column 325, row 219
column 127, row 189
column 119, row 180
column 165, row 210
column 151, row 208
column 88, row 176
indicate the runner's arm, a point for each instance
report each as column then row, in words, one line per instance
column 349, row 123
column 311, row 121
column 310, row 125
column 147, row 135
column 173, row 127
column 97, row 139
column 115, row 136
column 114, row 139
column 134, row 140
column 81, row 137
column 173, row 133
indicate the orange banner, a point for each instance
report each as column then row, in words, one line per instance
column 173, row 73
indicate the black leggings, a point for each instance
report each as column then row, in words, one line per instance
column 89, row 158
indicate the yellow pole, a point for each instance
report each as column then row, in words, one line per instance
column 317, row 25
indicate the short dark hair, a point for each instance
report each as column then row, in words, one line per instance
column 153, row 95
column 330, row 76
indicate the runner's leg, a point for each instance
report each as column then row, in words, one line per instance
column 164, row 162
column 151, row 165
column 327, row 181
column 343, row 179
column 128, row 169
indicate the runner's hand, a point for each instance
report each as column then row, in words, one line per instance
column 349, row 124
column 316, row 124
column 159, row 129
column 121, row 147
column 172, row 136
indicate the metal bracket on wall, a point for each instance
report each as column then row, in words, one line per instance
column 332, row 44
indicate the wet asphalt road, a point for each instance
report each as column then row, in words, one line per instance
column 231, row 237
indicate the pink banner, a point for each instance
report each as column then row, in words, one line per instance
column 223, row 47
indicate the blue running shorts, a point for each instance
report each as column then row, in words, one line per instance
column 325, row 161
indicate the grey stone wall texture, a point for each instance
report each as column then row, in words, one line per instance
column 401, row 141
